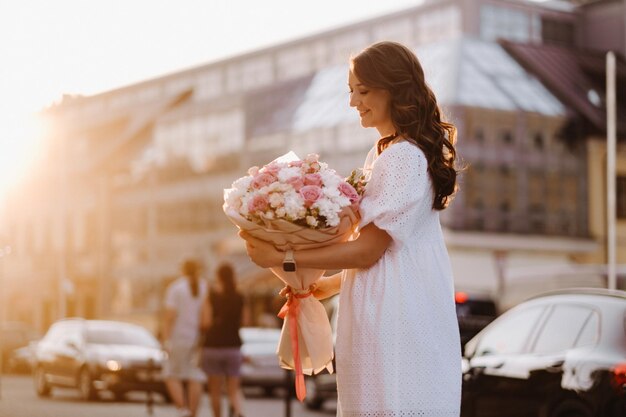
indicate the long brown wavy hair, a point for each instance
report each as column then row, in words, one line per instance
column 414, row 111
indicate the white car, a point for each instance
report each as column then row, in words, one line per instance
column 261, row 365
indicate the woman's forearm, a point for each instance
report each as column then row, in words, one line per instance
column 360, row 253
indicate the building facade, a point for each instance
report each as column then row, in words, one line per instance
column 134, row 177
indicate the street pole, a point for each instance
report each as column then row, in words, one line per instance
column 610, row 169
column 4, row 251
column 62, row 267
column 288, row 392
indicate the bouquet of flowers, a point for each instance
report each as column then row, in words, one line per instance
column 298, row 204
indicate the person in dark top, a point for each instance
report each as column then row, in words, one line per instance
column 221, row 318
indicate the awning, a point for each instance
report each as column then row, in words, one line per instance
column 577, row 77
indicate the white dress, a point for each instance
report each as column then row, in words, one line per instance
column 398, row 348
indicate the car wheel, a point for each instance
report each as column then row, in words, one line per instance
column 41, row 384
column 312, row 400
column 85, row 386
column 571, row 408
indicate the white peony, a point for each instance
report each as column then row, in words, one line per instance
column 289, row 172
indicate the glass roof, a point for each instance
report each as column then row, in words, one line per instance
column 464, row 72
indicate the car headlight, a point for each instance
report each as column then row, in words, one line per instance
column 113, row 365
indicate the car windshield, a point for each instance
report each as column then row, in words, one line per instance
column 120, row 336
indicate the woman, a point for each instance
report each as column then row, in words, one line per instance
column 398, row 349
column 183, row 299
column 222, row 314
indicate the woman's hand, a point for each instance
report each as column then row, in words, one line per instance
column 326, row 287
column 262, row 253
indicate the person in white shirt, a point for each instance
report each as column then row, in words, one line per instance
column 181, row 330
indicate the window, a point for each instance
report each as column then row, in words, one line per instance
column 557, row 32
column 506, row 137
column 591, row 332
column 620, row 197
column 479, row 135
column 438, row 24
column 497, row 22
column 511, row 333
column 562, row 329
column 538, row 141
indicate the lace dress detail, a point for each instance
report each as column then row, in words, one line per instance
column 398, row 347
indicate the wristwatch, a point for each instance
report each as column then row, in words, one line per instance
column 289, row 263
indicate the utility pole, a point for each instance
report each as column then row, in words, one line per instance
column 610, row 169
column 4, row 251
column 62, row 259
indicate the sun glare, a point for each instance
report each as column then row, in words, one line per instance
column 19, row 138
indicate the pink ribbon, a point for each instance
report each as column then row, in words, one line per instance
column 292, row 309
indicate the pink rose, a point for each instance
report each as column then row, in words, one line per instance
column 313, row 179
column 295, row 164
column 310, row 193
column 272, row 169
column 258, row 203
column 349, row 191
column 262, row 179
column 296, row 182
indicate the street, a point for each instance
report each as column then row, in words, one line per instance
column 19, row 400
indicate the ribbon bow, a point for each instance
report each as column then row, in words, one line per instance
column 291, row 308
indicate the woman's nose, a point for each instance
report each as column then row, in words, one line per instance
column 353, row 100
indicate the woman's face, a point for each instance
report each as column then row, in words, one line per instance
column 372, row 105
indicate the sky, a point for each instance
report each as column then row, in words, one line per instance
column 50, row 48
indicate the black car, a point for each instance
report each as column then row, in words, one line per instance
column 94, row 356
column 561, row 354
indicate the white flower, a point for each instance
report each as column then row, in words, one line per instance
column 332, row 193
column 281, row 212
column 330, row 178
column 244, row 204
column 311, row 221
column 294, row 205
column 328, row 209
column 277, row 187
column 242, row 183
column 277, row 200
column 343, row 201
column 286, row 173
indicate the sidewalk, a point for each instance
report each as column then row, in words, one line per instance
column 19, row 400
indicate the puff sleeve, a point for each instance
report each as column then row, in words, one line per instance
column 398, row 192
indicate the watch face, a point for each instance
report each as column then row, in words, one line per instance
column 289, row 266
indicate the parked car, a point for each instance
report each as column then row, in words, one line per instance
column 21, row 360
column 474, row 312
column 94, row 356
column 260, row 366
column 14, row 335
column 561, row 354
